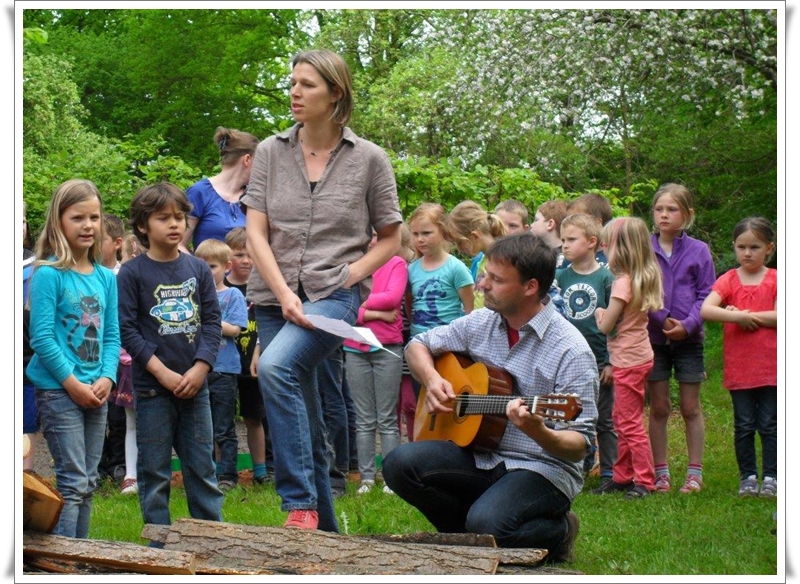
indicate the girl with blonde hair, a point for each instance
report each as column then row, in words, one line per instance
column 636, row 289
column 473, row 230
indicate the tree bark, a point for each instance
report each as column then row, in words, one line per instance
column 115, row 555
column 220, row 547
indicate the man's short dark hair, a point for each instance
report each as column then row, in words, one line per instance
column 529, row 255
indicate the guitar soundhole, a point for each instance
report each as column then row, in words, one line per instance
column 462, row 403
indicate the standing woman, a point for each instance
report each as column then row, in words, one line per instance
column 316, row 193
column 215, row 200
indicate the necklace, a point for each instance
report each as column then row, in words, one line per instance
column 311, row 152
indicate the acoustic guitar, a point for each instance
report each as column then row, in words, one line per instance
column 478, row 419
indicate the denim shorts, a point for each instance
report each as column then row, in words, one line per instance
column 686, row 359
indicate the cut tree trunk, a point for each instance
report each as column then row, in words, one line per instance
column 221, row 547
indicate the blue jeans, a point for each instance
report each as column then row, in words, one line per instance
column 75, row 438
column 756, row 410
column 520, row 508
column 288, row 381
column 222, row 390
column 330, row 383
column 164, row 422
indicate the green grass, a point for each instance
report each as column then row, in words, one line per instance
column 708, row 533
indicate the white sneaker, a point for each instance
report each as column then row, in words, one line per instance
column 769, row 488
column 365, row 487
column 387, row 490
column 129, row 486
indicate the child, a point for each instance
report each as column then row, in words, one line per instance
column 406, row 404
column 74, row 334
column 30, row 415
column 171, row 326
column 251, row 404
column 440, row 285
column 373, row 375
column 586, row 286
column 222, row 379
column 676, row 332
column 636, row 290
column 473, row 230
column 547, row 224
column 745, row 299
column 130, row 248
column 597, row 206
column 514, row 215
column 121, row 398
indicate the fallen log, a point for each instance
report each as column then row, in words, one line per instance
column 114, row 555
column 221, row 547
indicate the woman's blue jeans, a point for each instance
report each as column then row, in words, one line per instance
column 520, row 508
column 75, row 439
column 288, row 382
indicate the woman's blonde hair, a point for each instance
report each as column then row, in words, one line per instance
column 682, row 197
column 333, row 69
column 52, row 241
column 469, row 216
column 630, row 252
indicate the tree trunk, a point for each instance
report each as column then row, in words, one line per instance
column 219, row 547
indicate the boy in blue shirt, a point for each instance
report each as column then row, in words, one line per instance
column 171, row 326
column 222, row 385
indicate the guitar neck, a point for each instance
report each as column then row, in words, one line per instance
column 551, row 406
column 490, row 405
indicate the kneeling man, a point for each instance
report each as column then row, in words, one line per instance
column 520, row 492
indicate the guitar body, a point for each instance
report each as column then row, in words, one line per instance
column 480, row 431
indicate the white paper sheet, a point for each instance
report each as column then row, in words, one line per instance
column 342, row 329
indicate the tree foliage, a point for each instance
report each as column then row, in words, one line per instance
column 479, row 104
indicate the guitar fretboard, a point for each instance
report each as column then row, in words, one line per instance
column 495, row 405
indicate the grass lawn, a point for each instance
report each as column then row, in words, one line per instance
column 711, row 533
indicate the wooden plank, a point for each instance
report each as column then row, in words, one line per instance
column 41, row 503
column 116, row 555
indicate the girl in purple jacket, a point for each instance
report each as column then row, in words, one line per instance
column 676, row 331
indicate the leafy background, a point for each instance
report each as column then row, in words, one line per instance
column 479, row 104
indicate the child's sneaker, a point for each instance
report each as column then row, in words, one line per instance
column 663, row 484
column 366, row 486
column 610, row 486
column 129, row 486
column 387, row 490
column 693, row 484
column 302, row 519
column 769, row 488
column 749, row 487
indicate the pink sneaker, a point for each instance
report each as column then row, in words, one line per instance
column 663, row 484
column 693, row 484
column 302, row 519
